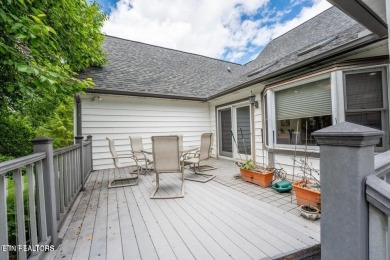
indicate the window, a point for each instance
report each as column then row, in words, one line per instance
column 365, row 100
column 298, row 112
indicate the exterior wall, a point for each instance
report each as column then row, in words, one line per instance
column 120, row 116
column 236, row 97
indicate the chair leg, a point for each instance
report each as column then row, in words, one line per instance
column 134, row 179
column 210, row 176
column 181, row 195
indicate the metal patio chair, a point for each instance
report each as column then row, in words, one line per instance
column 137, row 147
column 132, row 165
column 202, row 154
column 166, row 159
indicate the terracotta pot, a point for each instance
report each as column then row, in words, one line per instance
column 264, row 179
column 306, row 196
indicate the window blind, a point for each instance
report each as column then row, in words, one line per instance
column 364, row 90
column 308, row 100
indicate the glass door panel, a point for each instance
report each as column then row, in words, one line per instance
column 225, row 134
column 243, row 130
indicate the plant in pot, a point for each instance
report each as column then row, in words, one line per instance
column 308, row 189
column 254, row 173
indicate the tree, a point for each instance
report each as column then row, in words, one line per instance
column 43, row 43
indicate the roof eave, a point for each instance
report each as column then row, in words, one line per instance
column 356, row 44
column 139, row 94
column 359, row 11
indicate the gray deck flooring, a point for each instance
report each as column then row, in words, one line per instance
column 212, row 221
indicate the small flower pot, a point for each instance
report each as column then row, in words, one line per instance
column 263, row 179
column 310, row 213
column 306, row 196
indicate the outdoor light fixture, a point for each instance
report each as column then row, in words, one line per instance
column 252, row 100
column 97, row 98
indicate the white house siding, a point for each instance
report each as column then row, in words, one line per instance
column 119, row 117
column 235, row 97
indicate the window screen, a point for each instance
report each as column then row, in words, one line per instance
column 364, row 90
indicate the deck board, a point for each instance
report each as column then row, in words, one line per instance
column 98, row 245
column 212, row 221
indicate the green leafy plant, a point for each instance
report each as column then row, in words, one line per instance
column 43, row 44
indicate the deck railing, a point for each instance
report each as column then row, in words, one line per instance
column 355, row 193
column 53, row 180
column 378, row 197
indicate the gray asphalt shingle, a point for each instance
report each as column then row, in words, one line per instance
column 134, row 67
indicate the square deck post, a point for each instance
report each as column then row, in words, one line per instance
column 346, row 158
column 45, row 144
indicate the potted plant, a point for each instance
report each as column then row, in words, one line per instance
column 254, row 173
column 308, row 189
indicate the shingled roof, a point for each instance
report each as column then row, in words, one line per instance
column 135, row 68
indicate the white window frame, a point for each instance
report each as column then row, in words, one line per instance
column 270, row 95
column 341, row 98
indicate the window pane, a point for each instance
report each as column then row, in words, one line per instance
column 244, row 124
column 226, row 134
column 308, row 100
column 287, row 129
column 364, row 90
column 370, row 119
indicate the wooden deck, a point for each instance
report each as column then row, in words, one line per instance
column 213, row 221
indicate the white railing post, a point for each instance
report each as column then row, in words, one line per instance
column 346, row 159
column 45, row 144
column 79, row 140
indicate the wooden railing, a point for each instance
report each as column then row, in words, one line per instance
column 54, row 179
column 378, row 197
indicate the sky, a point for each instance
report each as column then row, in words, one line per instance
column 231, row 30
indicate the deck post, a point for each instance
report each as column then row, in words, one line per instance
column 89, row 138
column 79, row 140
column 346, row 158
column 45, row 144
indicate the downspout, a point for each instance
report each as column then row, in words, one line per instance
column 77, row 100
column 253, row 134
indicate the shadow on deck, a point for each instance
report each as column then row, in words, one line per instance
column 212, row 221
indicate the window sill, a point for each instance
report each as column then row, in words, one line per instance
column 313, row 153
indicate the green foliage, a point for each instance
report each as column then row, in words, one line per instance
column 15, row 135
column 249, row 165
column 60, row 125
column 11, row 209
column 43, row 43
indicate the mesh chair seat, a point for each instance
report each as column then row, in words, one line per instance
column 202, row 154
column 137, row 147
column 131, row 163
column 166, row 159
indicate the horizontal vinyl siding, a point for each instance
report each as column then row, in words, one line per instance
column 119, row 117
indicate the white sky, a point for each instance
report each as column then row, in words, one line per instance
column 234, row 30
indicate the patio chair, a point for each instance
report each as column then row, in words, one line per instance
column 137, row 147
column 120, row 165
column 202, row 154
column 208, row 167
column 166, row 159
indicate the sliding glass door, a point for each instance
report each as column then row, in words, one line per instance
column 225, row 134
column 234, row 131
